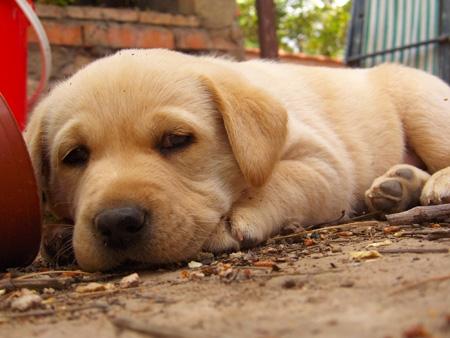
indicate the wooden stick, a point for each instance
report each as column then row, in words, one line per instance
column 438, row 235
column 420, row 214
column 334, row 227
column 329, row 223
column 431, row 234
column 151, row 329
column 365, row 217
column 51, row 272
column 420, row 283
column 412, row 250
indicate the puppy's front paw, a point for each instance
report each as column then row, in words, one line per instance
column 242, row 229
column 397, row 190
column 221, row 240
column 245, row 229
column 437, row 188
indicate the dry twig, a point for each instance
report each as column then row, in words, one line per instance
column 431, row 234
column 66, row 273
column 328, row 223
column 420, row 283
column 420, row 214
column 123, row 323
column 333, row 227
column 412, row 250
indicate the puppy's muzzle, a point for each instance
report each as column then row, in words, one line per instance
column 120, row 227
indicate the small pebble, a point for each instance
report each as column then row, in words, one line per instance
column 335, row 249
column 289, row 284
column 238, row 254
column 206, row 258
column 271, row 250
column 26, row 302
column 130, row 281
column 197, row 275
column 49, row 291
column 194, row 265
column 347, row 284
column 345, row 233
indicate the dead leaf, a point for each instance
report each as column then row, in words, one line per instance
column 264, row 264
column 360, row 255
column 391, row 229
column 184, row 274
column 93, row 287
column 378, row 244
column 309, row 242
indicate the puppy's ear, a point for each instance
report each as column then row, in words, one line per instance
column 256, row 124
column 35, row 135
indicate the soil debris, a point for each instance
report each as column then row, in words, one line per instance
column 26, row 300
column 280, row 288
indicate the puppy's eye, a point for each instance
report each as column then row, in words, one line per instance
column 77, row 157
column 172, row 142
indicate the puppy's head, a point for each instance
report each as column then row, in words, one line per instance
column 146, row 150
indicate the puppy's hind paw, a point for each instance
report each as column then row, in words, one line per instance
column 397, row 190
column 437, row 188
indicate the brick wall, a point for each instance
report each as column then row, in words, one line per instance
column 299, row 58
column 79, row 34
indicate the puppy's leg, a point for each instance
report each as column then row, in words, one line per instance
column 311, row 191
column 397, row 190
column 423, row 103
column 437, row 188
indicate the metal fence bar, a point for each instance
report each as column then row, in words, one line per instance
column 442, row 39
column 444, row 47
column 355, row 33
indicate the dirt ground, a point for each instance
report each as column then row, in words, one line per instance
column 302, row 284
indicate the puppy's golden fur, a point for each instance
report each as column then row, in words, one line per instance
column 270, row 142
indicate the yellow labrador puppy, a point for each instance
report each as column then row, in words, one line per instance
column 156, row 155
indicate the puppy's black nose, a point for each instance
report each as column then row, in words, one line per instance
column 120, row 227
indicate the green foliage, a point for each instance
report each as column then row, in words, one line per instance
column 309, row 26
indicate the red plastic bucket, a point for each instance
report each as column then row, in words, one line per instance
column 20, row 217
column 13, row 58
